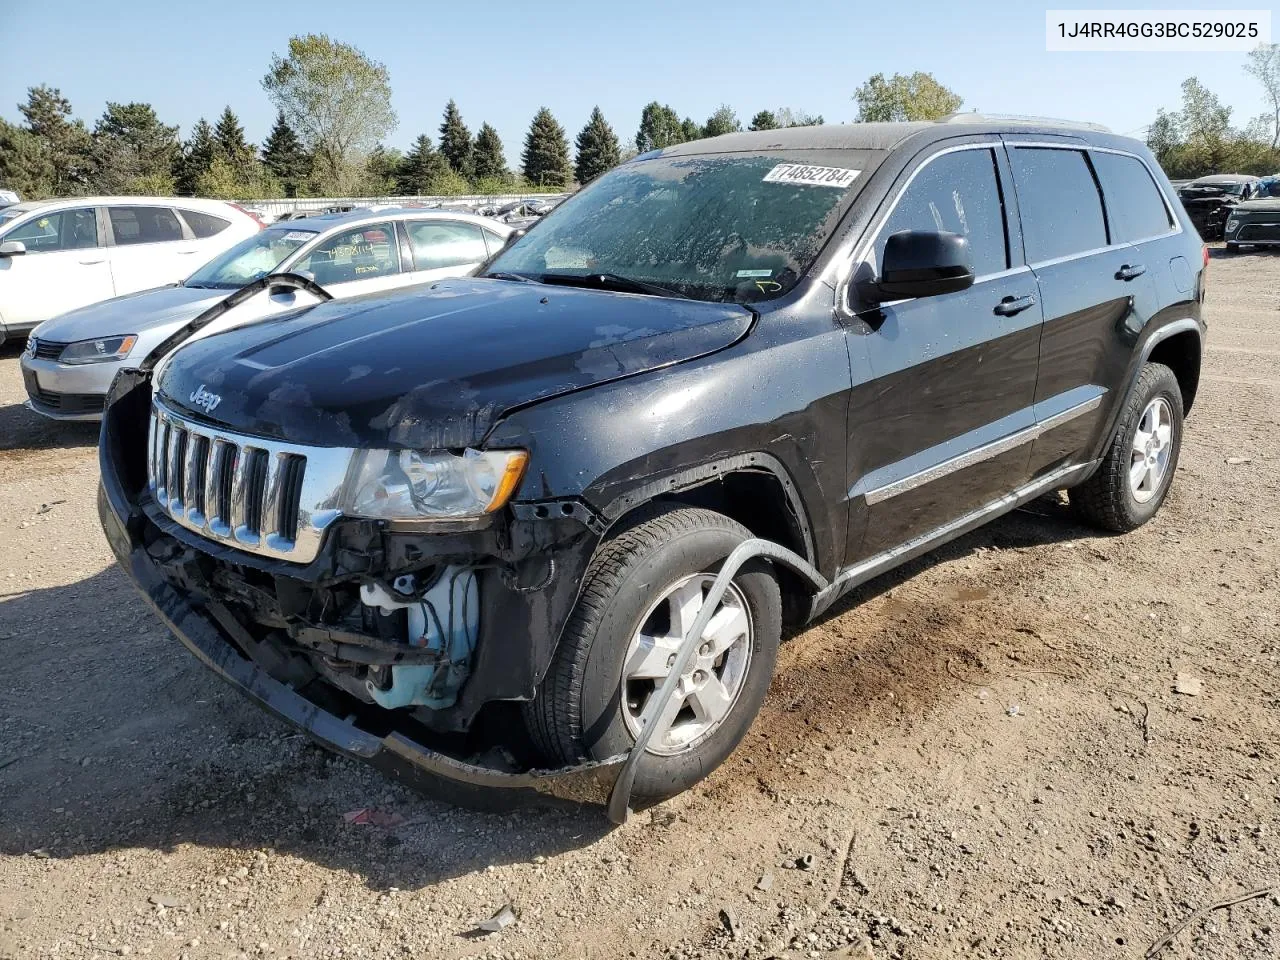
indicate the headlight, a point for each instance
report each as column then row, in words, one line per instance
column 1232, row 225
column 408, row 485
column 96, row 351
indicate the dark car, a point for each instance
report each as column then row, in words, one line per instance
column 1256, row 222
column 498, row 531
column 1209, row 200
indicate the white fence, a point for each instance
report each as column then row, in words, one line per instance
column 274, row 209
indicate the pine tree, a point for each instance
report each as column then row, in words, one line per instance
column 455, row 140
column 764, row 120
column 422, row 169
column 598, row 148
column 285, row 158
column 197, row 158
column 690, row 130
column 546, row 152
column 489, row 160
column 659, row 127
column 228, row 135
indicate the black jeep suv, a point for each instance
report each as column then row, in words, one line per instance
column 464, row 531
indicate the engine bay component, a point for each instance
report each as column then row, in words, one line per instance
column 440, row 616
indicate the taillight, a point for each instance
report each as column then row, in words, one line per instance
column 262, row 223
column 1204, row 250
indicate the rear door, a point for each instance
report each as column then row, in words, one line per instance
column 64, row 267
column 944, row 425
column 445, row 248
column 1096, row 289
column 149, row 248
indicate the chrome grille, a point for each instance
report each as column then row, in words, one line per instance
column 47, row 349
column 265, row 497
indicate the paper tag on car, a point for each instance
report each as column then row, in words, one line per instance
column 811, row 176
column 299, row 235
column 755, row 273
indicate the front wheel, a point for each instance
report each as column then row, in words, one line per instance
column 1137, row 469
column 640, row 596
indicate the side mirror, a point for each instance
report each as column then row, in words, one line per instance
column 12, row 248
column 918, row 263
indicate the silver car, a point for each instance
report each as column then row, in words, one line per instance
column 71, row 359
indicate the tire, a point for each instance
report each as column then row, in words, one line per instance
column 1109, row 499
column 582, row 707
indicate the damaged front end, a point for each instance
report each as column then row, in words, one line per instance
column 397, row 644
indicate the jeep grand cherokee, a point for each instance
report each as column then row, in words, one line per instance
column 487, row 513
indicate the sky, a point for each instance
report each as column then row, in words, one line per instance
column 502, row 60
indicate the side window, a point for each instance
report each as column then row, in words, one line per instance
column 956, row 193
column 204, row 225
column 1135, row 207
column 1059, row 202
column 144, row 225
column 63, row 230
column 445, row 243
column 360, row 254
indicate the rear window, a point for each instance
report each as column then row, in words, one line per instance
column 1135, row 208
column 144, row 225
column 204, row 224
column 1059, row 202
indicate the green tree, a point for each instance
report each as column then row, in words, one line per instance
column 764, row 120
column 690, row 130
column 231, row 144
column 25, row 165
column 422, row 170
column 545, row 160
column 336, row 99
column 659, row 127
column 787, row 117
column 284, row 157
column 196, row 158
column 225, row 180
column 918, row 96
column 455, row 140
column 598, row 148
column 721, row 122
column 489, row 159
column 1264, row 66
column 381, row 170
column 133, row 152
column 59, row 158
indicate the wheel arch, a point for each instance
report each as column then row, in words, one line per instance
column 754, row 489
column 1181, row 352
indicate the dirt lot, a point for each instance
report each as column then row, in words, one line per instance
column 982, row 754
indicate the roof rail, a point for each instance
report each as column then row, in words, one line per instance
column 1030, row 121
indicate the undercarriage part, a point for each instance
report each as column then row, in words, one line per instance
column 440, row 619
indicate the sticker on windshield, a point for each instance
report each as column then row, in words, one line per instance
column 755, row 273
column 811, row 176
column 299, row 235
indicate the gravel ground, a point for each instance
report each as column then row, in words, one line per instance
column 979, row 755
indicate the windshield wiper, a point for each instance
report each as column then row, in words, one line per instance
column 518, row 277
column 611, row 281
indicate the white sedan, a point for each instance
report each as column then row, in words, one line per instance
column 56, row 255
column 71, row 360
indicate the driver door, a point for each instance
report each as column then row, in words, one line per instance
column 944, row 423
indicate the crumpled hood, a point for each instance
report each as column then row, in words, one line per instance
column 132, row 313
column 1261, row 205
column 434, row 366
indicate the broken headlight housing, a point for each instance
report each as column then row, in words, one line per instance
column 412, row 485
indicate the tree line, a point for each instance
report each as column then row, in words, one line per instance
column 334, row 110
column 1200, row 139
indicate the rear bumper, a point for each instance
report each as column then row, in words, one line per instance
column 430, row 771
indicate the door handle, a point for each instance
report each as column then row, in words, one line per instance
column 1011, row 306
column 87, row 263
column 1127, row 272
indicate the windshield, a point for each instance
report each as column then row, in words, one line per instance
column 249, row 259
column 737, row 227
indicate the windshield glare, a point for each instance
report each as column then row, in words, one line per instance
column 249, row 259
column 740, row 227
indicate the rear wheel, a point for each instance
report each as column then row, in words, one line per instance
column 1137, row 469
column 640, row 596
